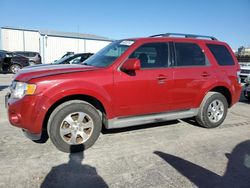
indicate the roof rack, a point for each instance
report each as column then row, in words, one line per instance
column 184, row 35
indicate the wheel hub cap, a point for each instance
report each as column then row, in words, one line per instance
column 76, row 128
column 215, row 111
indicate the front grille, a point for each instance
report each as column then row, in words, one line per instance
column 245, row 71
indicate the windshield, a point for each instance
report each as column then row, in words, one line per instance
column 62, row 61
column 109, row 54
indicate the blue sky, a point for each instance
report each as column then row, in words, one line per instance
column 228, row 20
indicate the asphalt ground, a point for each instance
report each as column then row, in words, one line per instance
column 170, row 154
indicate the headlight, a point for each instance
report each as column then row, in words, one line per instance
column 19, row 89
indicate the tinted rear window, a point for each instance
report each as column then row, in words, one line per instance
column 189, row 54
column 221, row 54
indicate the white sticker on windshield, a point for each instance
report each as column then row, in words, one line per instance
column 127, row 42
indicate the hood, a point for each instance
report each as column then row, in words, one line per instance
column 37, row 65
column 27, row 74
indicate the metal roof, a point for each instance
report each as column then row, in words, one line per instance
column 63, row 34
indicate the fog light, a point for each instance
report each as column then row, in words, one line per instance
column 14, row 118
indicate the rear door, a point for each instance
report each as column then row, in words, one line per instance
column 191, row 72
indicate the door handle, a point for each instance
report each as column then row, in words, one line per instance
column 205, row 74
column 161, row 77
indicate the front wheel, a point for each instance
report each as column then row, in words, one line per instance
column 213, row 110
column 15, row 68
column 74, row 126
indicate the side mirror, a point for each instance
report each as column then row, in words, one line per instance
column 132, row 64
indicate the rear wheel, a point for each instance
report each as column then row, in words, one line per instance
column 15, row 68
column 74, row 126
column 213, row 110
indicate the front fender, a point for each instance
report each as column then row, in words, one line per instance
column 47, row 96
column 65, row 89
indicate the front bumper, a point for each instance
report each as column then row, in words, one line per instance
column 32, row 136
column 24, row 113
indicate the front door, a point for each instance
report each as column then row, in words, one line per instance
column 146, row 91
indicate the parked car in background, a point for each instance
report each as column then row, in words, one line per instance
column 244, row 71
column 34, row 57
column 73, row 58
column 69, row 59
column 246, row 89
column 68, row 53
column 12, row 62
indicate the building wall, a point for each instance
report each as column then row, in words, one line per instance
column 18, row 40
column 51, row 48
column 32, row 40
column 12, row 40
column 56, row 47
column 94, row 46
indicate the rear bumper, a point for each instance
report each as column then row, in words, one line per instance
column 236, row 94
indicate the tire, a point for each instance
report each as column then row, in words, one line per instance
column 213, row 110
column 74, row 126
column 15, row 68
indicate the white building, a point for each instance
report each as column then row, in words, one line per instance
column 50, row 44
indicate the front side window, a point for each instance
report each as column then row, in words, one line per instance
column 109, row 54
column 21, row 54
column 189, row 54
column 152, row 55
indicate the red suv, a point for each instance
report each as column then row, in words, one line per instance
column 129, row 82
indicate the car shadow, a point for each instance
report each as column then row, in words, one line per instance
column 192, row 121
column 73, row 174
column 237, row 172
column 139, row 127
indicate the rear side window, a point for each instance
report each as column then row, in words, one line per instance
column 31, row 54
column 189, row 54
column 221, row 54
